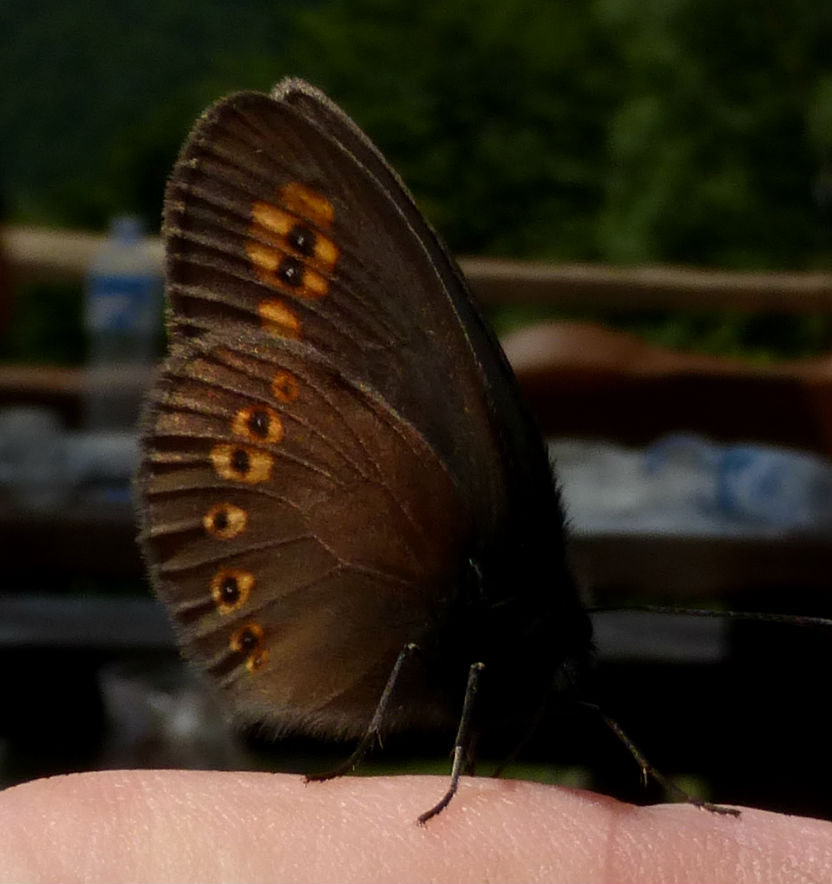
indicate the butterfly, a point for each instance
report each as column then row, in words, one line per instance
column 345, row 505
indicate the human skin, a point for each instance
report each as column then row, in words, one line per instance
column 208, row 826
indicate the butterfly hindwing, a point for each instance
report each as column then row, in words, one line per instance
column 281, row 501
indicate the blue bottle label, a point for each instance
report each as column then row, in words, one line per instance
column 121, row 303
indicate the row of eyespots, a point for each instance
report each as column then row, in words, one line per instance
column 241, row 463
column 289, row 252
column 231, row 587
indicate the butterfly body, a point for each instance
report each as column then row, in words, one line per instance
column 336, row 461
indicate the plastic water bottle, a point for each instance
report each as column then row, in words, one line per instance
column 122, row 320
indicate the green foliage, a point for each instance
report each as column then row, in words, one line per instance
column 615, row 130
column 621, row 130
column 99, row 96
column 47, row 326
column 710, row 160
column 493, row 113
column 762, row 338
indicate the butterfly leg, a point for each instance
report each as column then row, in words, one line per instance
column 648, row 770
column 374, row 728
column 462, row 743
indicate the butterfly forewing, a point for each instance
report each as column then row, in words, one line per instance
column 276, row 229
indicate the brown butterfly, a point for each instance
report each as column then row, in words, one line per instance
column 345, row 505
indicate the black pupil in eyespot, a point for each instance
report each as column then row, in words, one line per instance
column 302, row 240
column 291, row 271
column 258, row 423
column 248, row 640
column 239, row 461
column 221, row 520
column 230, row 590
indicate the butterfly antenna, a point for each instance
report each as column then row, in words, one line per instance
column 461, row 743
column 758, row 616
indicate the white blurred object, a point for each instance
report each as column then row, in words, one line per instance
column 161, row 715
column 32, row 464
column 102, row 465
column 689, row 485
column 42, row 467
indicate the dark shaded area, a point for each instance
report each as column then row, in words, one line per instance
column 780, row 410
column 732, row 708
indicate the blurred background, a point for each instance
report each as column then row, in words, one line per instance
column 641, row 193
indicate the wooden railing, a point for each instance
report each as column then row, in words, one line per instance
column 40, row 254
column 580, row 379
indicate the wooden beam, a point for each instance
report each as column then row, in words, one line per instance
column 590, row 286
column 38, row 254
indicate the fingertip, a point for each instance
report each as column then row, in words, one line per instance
column 192, row 825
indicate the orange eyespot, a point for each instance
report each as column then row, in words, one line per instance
column 285, row 386
column 224, row 521
column 230, row 589
column 274, row 230
column 247, row 638
column 239, row 463
column 258, row 423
